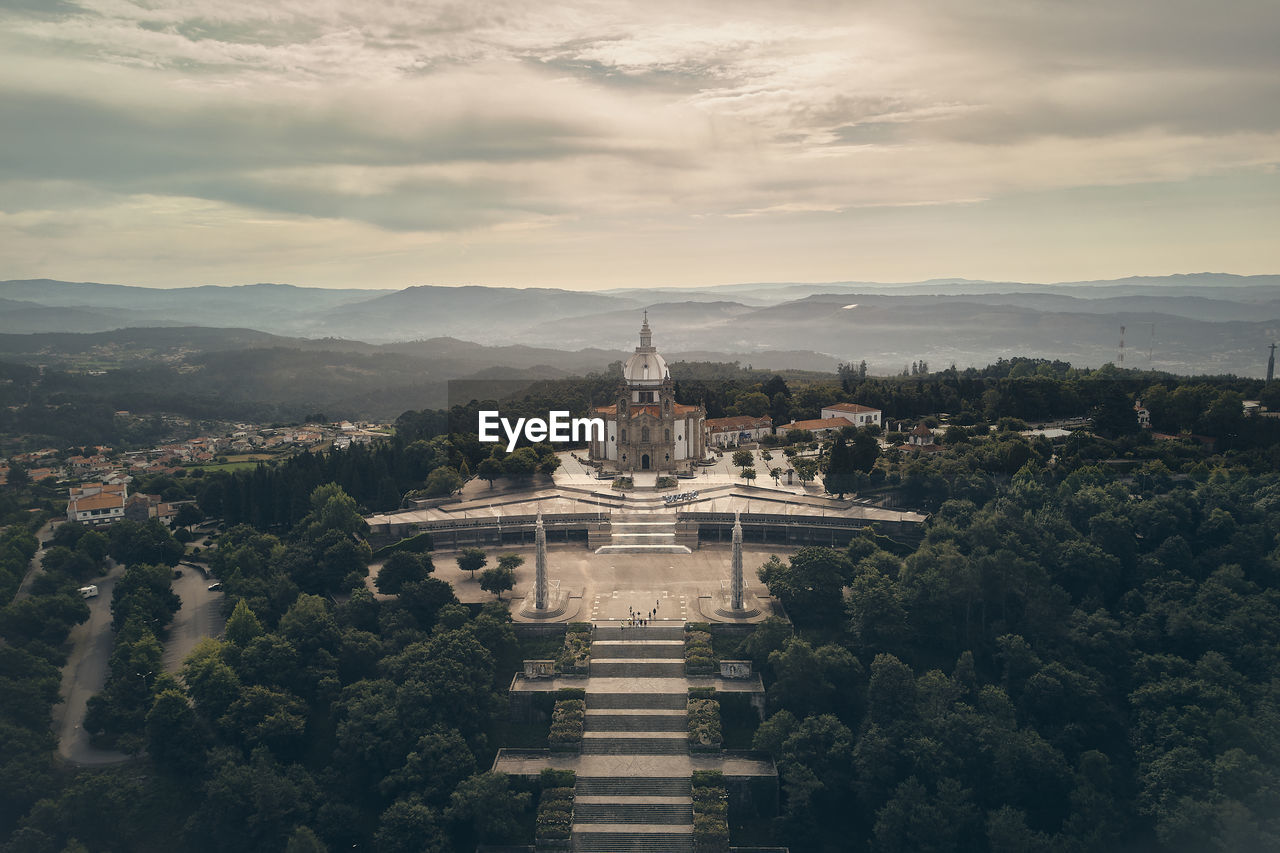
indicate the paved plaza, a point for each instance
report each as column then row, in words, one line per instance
column 608, row 584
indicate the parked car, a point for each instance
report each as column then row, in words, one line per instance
column 215, row 587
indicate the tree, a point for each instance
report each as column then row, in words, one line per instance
column 776, row 474
column 864, row 450
column 498, row 579
column 440, row 760
column 490, row 469
column 188, row 514
column 472, row 560
column 749, row 474
column 443, row 481
column 401, row 567
column 810, row 585
column 175, row 739
column 242, row 625
column 522, row 464
column 743, row 458
column 253, row 806
column 841, row 468
column 303, row 840
column 806, row 469
column 18, row 476
column 754, row 404
column 408, row 826
column 488, row 804
column 131, row 542
column 332, row 509
column 144, row 594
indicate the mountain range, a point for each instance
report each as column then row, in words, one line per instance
column 1203, row 323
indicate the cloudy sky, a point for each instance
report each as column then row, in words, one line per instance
column 602, row 144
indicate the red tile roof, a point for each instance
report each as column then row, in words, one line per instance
column 820, row 423
column 854, row 408
column 738, row 422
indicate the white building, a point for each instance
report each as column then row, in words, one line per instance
column 723, row 432
column 821, row 427
column 858, row 415
column 96, row 503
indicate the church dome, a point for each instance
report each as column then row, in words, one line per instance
column 645, row 367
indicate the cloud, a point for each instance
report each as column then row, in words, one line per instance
column 474, row 121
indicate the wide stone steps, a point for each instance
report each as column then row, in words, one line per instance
column 641, row 534
column 645, row 743
column 634, row 548
column 638, row 648
column 632, row 786
column 623, row 838
column 632, row 720
column 638, row 701
column 672, row 631
column 637, row 667
column 672, row 811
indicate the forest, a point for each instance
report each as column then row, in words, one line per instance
column 1078, row 659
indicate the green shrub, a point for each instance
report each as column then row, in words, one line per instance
column 567, row 722
column 699, row 657
column 708, row 778
column 704, row 723
column 702, row 693
column 575, row 657
column 553, row 778
column 414, row 544
column 563, row 796
column 571, row 693
column 699, row 666
column 710, row 812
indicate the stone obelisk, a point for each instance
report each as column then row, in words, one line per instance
column 540, row 565
column 735, row 583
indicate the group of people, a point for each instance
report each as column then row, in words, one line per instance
column 683, row 496
column 639, row 620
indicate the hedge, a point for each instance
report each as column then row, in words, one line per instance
column 704, row 724
column 550, row 777
column 416, row 544
column 567, row 722
column 699, row 658
column 708, row 778
column 710, row 812
column 555, row 811
column 575, row 657
column 571, row 693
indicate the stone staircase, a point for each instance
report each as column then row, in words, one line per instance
column 636, row 813
column 643, row 533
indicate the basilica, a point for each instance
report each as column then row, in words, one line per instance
column 646, row 429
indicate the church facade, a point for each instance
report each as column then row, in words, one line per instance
column 646, row 429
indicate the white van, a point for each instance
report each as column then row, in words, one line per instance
column 89, row 591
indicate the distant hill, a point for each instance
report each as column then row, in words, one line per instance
column 1199, row 323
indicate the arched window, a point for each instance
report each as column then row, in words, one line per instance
column 624, row 435
column 644, row 435
column 666, row 435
